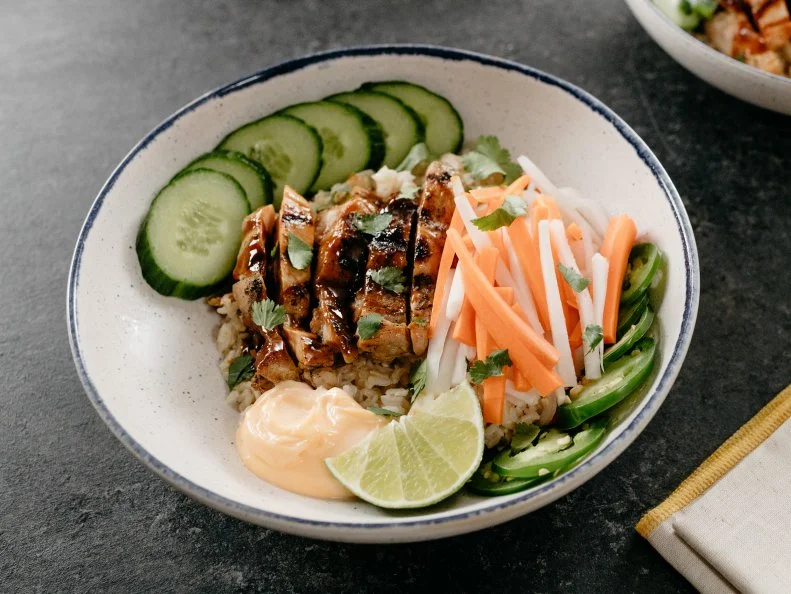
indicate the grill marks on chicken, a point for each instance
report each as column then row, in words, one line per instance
column 273, row 364
column 340, row 266
column 388, row 250
column 433, row 219
column 324, row 301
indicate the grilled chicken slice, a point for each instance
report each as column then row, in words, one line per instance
column 295, row 220
column 388, row 252
column 307, row 349
column 433, row 219
column 339, row 266
column 732, row 33
column 272, row 363
column 773, row 21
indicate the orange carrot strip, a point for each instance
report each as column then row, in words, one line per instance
column 539, row 212
column 464, row 329
column 573, row 232
column 445, row 263
column 507, row 293
column 493, row 399
column 532, row 354
column 549, row 202
column 486, row 194
column 616, row 246
column 575, row 337
column 527, row 254
column 521, row 383
column 517, row 186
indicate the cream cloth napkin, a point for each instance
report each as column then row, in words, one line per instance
column 727, row 528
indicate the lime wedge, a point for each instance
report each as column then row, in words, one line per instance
column 420, row 458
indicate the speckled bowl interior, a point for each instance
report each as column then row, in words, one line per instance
column 149, row 363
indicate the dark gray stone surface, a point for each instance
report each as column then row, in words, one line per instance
column 81, row 82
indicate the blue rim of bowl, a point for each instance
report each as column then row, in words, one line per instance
column 723, row 59
column 593, row 463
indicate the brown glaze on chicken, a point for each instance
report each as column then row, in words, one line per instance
column 388, row 250
column 293, row 284
column 272, row 361
column 340, row 265
column 433, row 219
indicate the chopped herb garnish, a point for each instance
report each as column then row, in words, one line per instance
column 408, row 192
column 418, row 155
column 369, row 325
column 417, row 379
column 268, row 314
column 299, row 252
column 372, row 224
column 488, row 158
column 422, row 322
column 524, row 434
column 702, row 8
column 491, row 367
column 575, row 280
column 240, row 370
column 512, row 208
column 741, row 56
column 592, row 336
column 389, row 278
column 274, row 249
column 385, row 412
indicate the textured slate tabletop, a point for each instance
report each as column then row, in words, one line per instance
column 81, row 82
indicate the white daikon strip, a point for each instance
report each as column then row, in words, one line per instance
column 578, row 249
column 592, row 211
column 479, row 238
column 455, row 294
column 521, row 291
column 434, row 355
column 601, row 271
column 529, row 195
column 542, row 181
column 573, row 216
column 557, row 321
column 447, row 364
column 584, row 301
column 464, row 354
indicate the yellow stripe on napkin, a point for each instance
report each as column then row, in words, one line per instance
column 729, row 454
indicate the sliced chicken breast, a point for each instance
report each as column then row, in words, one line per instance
column 388, row 258
column 293, row 283
column 433, row 219
column 340, row 263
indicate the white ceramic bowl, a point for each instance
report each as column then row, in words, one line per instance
column 731, row 76
column 149, row 364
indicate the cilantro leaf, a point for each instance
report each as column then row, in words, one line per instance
column 368, row 325
column 524, row 434
column 512, row 208
column 372, row 224
column 240, row 370
column 491, row 367
column 274, row 249
column 417, row 155
column 592, row 336
column 417, row 379
column 299, row 253
column 422, row 322
column 489, row 158
column 385, row 412
column 268, row 314
column 408, row 192
column 575, row 280
column 389, row 278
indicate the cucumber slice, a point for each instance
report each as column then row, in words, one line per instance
column 251, row 175
column 188, row 241
column 444, row 128
column 352, row 140
column 287, row 147
column 400, row 125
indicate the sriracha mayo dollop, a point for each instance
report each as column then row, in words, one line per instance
column 287, row 433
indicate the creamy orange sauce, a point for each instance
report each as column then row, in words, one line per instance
column 286, row 435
